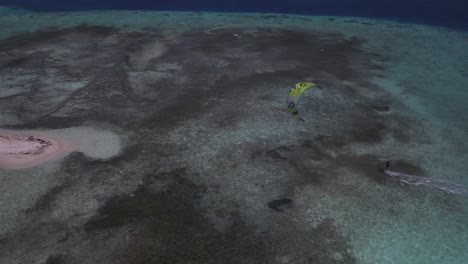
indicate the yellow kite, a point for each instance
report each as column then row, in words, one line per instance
column 295, row 93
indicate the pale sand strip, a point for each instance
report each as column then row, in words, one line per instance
column 25, row 149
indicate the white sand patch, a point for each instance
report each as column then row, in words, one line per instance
column 92, row 142
column 19, row 152
column 139, row 60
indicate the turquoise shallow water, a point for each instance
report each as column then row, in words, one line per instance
column 198, row 101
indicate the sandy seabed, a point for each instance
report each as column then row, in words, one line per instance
column 170, row 137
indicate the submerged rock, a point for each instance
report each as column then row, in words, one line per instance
column 381, row 108
column 276, row 204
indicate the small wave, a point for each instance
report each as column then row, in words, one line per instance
column 445, row 186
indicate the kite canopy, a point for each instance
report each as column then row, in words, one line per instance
column 294, row 95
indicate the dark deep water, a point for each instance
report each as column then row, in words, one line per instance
column 452, row 13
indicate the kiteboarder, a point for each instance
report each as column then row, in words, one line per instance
column 294, row 95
